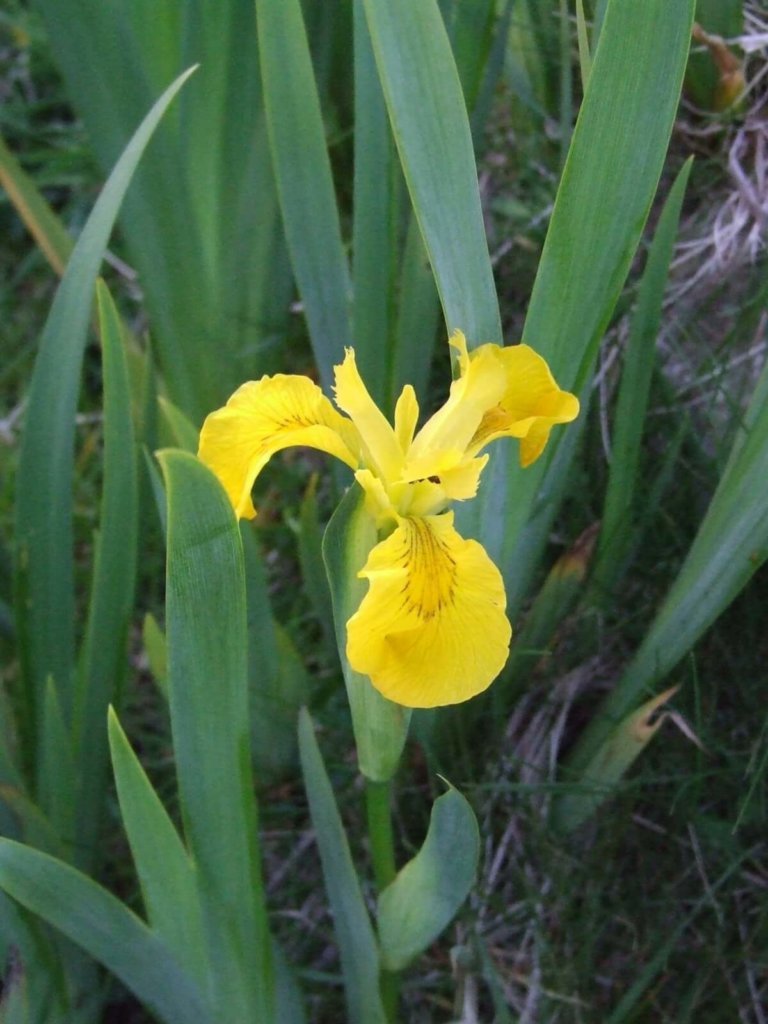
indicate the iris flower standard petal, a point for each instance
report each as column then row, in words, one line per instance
column 432, row 627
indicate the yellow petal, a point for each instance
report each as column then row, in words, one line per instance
column 406, row 417
column 261, row 418
column 530, row 406
column 432, row 629
column 382, row 452
column 443, row 440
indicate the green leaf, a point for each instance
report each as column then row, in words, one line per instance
column 105, row 928
column 310, row 545
column 374, row 229
column 44, row 569
column 602, row 203
column 427, row 893
column 303, row 173
column 354, row 932
column 618, row 751
column 156, row 651
column 431, row 130
column 277, row 680
column 380, row 726
column 208, row 688
column 42, row 223
column 180, row 431
column 112, row 588
column 731, row 544
column 621, row 500
column 165, row 870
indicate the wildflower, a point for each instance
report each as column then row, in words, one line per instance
column 432, row 628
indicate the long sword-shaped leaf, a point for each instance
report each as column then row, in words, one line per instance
column 105, row 928
column 431, row 129
column 208, row 689
column 45, row 227
column 374, row 234
column 44, row 570
column 354, row 932
column 303, row 173
column 619, row 509
column 112, row 590
column 611, row 174
column 165, row 869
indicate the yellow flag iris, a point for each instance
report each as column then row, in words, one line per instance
column 432, row 627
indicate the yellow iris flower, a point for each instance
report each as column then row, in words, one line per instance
column 432, row 628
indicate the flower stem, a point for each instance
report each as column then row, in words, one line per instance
column 377, row 798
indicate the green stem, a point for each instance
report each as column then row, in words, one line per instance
column 381, row 838
column 377, row 797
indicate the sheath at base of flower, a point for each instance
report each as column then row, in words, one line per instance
column 432, row 628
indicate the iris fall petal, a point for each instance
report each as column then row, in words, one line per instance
column 260, row 419
column 432, row 629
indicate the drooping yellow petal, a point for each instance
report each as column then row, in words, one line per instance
column 443, row 440
column 381, row 450
column 261, row 418
column 530, row 406
column 432, row 628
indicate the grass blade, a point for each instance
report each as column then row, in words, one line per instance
column 621, row 494
column 354, row 932
column 42, row 223
column 731, row 544
column 618, row 752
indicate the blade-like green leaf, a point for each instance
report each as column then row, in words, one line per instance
column 105, row 928
column 303, row 174
column 374, row 232
column 621, row 495
column 42, row 223
column 617, row 753
column 156, row 651
column 208, row 688
column 165, row 870
column 112, row 588
column 426, row 894
column 44, row 572
column 602, row 203
column 431, row 129
column 180, row 430
column 380, row 726
column 354, row 932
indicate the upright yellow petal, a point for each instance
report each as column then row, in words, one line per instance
column 406, row 417
column 530, row 405
column 382, row 452
column 432, row 628
column 443, row 440
column 261, row 418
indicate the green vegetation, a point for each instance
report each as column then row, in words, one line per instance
column 206, row 813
